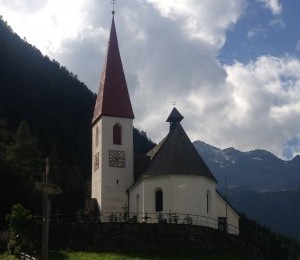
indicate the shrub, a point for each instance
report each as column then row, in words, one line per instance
column 21, row 229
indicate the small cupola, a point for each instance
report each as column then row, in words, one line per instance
column 174, row 118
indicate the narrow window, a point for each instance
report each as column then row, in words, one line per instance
column 97, row 136
column 208, row 202
column 159, row 200
column 117, row 134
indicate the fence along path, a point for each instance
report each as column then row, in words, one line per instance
column 24, row 256
column 157, row 217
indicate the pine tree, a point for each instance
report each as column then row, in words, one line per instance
column 24, row 160
column 5, row 176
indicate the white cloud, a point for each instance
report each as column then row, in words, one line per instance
column 207, row 20
column 274, row 5
column 23, row 6
column 265, row 102
column 169, row 51
column 277, row 23
column 46, row 23
column 256, row 31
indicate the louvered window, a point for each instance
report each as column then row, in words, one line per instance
column 117, row 134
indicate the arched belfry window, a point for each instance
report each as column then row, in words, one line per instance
column 117, row 134
column 208, row 201
column 97, row 136
column 159, row 200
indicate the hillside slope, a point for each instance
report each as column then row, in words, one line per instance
column 262, row 186
column 255, row 170
column 44, row 111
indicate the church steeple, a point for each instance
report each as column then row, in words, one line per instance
column 112, row 133
column 113, row 97
column 174, row 118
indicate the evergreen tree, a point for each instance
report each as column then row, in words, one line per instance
column 141, row 142
column 6, row 181
column 24, row 160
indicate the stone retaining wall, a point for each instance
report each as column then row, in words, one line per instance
column 136, row 236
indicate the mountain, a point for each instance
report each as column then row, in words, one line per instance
column 264, row 187
column 278, row 210
column 255, row 170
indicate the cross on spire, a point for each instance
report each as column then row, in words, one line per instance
column 174, row 103
column 113, row 2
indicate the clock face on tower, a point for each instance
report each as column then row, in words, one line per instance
column 116, row 158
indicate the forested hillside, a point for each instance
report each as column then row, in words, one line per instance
column 44, row 111
column 259, row 184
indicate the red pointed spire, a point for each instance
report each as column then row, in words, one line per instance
column 113, row 97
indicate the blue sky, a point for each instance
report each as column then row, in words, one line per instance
column 232, row 67
column 260, row 32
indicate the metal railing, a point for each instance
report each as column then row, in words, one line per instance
column 151, row 218
column 24, row 256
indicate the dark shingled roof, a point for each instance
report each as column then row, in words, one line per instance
column 176, row 154
column 140, row 163
column 113, row 97
column 175, row 116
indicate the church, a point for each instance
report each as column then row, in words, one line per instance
column 169, row 184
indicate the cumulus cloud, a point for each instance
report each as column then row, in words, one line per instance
column 277, row 23
column 46, row 23
column 23, row 6
column 257, row 31
column 292, row 147
column 169, row 51
column 265, row 102
column 274, row 5
column 207, row 20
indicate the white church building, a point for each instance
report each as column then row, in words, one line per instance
column 171, row 183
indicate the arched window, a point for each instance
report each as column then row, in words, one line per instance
column 208, row 202
column 97, row 136
column 159, row 200
column 117, row 134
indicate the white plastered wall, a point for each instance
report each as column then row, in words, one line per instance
column 110, row 184
column 182, row 194
column 232, row 215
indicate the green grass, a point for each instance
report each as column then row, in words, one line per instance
column 165, row 255
column 178, row 255
column 6, row 256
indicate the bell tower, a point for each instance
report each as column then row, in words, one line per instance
column 112, row 134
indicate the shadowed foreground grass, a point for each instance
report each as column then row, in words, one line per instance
column 162, row 255
column 193, row 255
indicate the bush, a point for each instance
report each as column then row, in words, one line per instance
column 3, row 241
column 21, row 230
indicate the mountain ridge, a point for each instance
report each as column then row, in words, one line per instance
column 259, row 184
column 252, row 169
